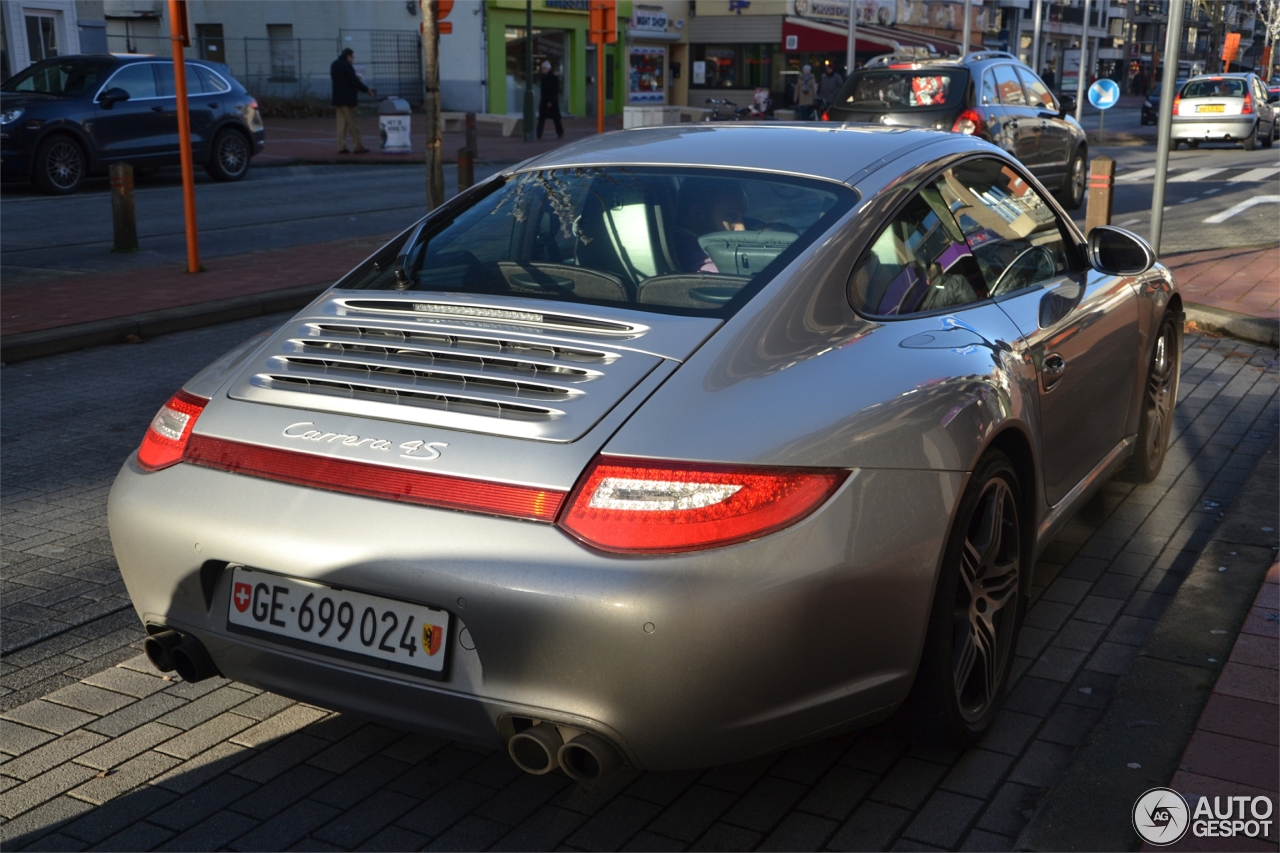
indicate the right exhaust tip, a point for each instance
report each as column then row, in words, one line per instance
column 159, row 647
column 192, row 661
column 588, row 757
column 535, row 749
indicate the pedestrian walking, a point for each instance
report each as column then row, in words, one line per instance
column 1049, row 80
column 829, row 85
column 549, row 105
column 806, row 91
column 347, row 86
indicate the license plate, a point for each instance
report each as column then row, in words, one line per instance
column 353, row 625
column 1211, row 108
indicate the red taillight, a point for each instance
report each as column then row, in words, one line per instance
column 970, row 122
column 826, row 115
column 1248, row 105
column 647, row 506
column 374, row 481
column 169, row 432
column 1177, row 99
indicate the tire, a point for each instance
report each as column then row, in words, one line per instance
column 1270, row 138
column 969, row 647
column 60, row 165
column 1251, row 141
column 1073, row 183
column 1159, row 397
column 229, row 156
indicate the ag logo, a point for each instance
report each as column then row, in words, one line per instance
column 432, row 636
column 1160, row 816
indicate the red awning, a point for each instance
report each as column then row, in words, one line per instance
column 818, row 37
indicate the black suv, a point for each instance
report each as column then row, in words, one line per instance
column 63, row 118
column 990, row 94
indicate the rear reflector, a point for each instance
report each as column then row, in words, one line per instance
column 374, row 481
column 163, row 444
column 648, row 506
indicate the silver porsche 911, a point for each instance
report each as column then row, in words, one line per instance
column 671, row 447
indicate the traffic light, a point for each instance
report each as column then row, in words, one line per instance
column 604, row 22
column 443, row 8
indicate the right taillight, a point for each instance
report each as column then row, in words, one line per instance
column 970, row 123
column 1177, row 99
column 652, row 506
column 170, row 430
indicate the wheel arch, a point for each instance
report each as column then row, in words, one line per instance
column 236, row 127
column 1014, row 442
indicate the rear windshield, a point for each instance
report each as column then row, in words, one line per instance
column 877, row 91
column 68, row 78
column 1221, row 88
column 660, row 239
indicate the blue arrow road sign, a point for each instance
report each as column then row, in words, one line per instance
column 1104, row 94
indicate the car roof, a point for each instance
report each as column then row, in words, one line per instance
column 814, row 149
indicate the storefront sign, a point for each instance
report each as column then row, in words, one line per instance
column 648, row 21
column 646, row 84
column 939, row 14
column 699, row 73
column 568, row 5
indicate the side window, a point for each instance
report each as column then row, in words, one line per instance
column 920, row 262
column 137, row 79
column 165, row 85
column 1014, row 234
column 211, row 82
column 990, row 94
column 1010, row 89
column 1038, row 94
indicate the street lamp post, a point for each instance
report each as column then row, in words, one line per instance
column 528, row 71
column 851, row 49
column 1036, row 27
column 1083, row 65
column 1168, row 82
column 968, row 27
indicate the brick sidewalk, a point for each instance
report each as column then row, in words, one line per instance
column 1246, row 281
column 1233, row 750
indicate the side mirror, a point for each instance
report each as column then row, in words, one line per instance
column 1273, row 98
column 112, row 96
column 1067, row 104
column 1119, row 252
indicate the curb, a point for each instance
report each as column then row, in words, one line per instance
column 1159, row 699
column 1256, row 330
column 28, row 345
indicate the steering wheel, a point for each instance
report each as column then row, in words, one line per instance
column 1032, row 264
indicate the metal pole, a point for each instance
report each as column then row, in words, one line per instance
column 968, row 27
column 431, row 104
column 851, row 48
column 600, row 93
column 528, row 71
column 1084, row 53
column 178, row 38
column 1036, row 27
column 1168, row 82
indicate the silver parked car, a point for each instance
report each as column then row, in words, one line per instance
column 1224, row 108
column 649, row 451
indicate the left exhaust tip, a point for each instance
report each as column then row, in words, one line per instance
column 159, row 648
column 589, row 757
column 535, row 750
column 192, row 661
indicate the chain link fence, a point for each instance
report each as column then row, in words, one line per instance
column 298, row 68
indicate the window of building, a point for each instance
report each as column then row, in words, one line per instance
column 42, row 36
column 210, row 42
column 284, row 53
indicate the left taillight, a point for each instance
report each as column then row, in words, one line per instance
column 648, row 506
column 167, row 437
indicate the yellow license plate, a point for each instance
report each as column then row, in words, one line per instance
column 1211, row 108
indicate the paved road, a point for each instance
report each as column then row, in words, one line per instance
column 1202, row 184
column 55, row 237
column 100, row 751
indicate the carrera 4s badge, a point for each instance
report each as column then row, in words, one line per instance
column 421, row 450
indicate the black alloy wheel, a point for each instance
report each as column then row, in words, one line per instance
column 229, row 158
column 1159, row 398
column 60, row 166
column 977, row 612
column 1073, row 184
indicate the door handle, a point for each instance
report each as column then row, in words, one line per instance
column 1051, row 370
column 157, row 109
column 214, row 106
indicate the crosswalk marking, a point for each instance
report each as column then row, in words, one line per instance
column 1141, row 174
column 1195, row 175
column 1255, row 175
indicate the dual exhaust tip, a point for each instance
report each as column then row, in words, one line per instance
column 169, row 651
column 541, row 749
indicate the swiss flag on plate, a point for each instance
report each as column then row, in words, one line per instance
column 242, row 596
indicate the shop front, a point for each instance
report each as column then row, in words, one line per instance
column 560, row 37
column 653, row 54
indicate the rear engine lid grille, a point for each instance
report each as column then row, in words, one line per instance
column 497, row 314
column 478, row 378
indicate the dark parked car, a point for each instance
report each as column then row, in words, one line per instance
column 64, row 118
column 1151, row 106
column 991, row 95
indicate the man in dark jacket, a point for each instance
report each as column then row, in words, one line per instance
column 346, row 86
column 549, row 103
